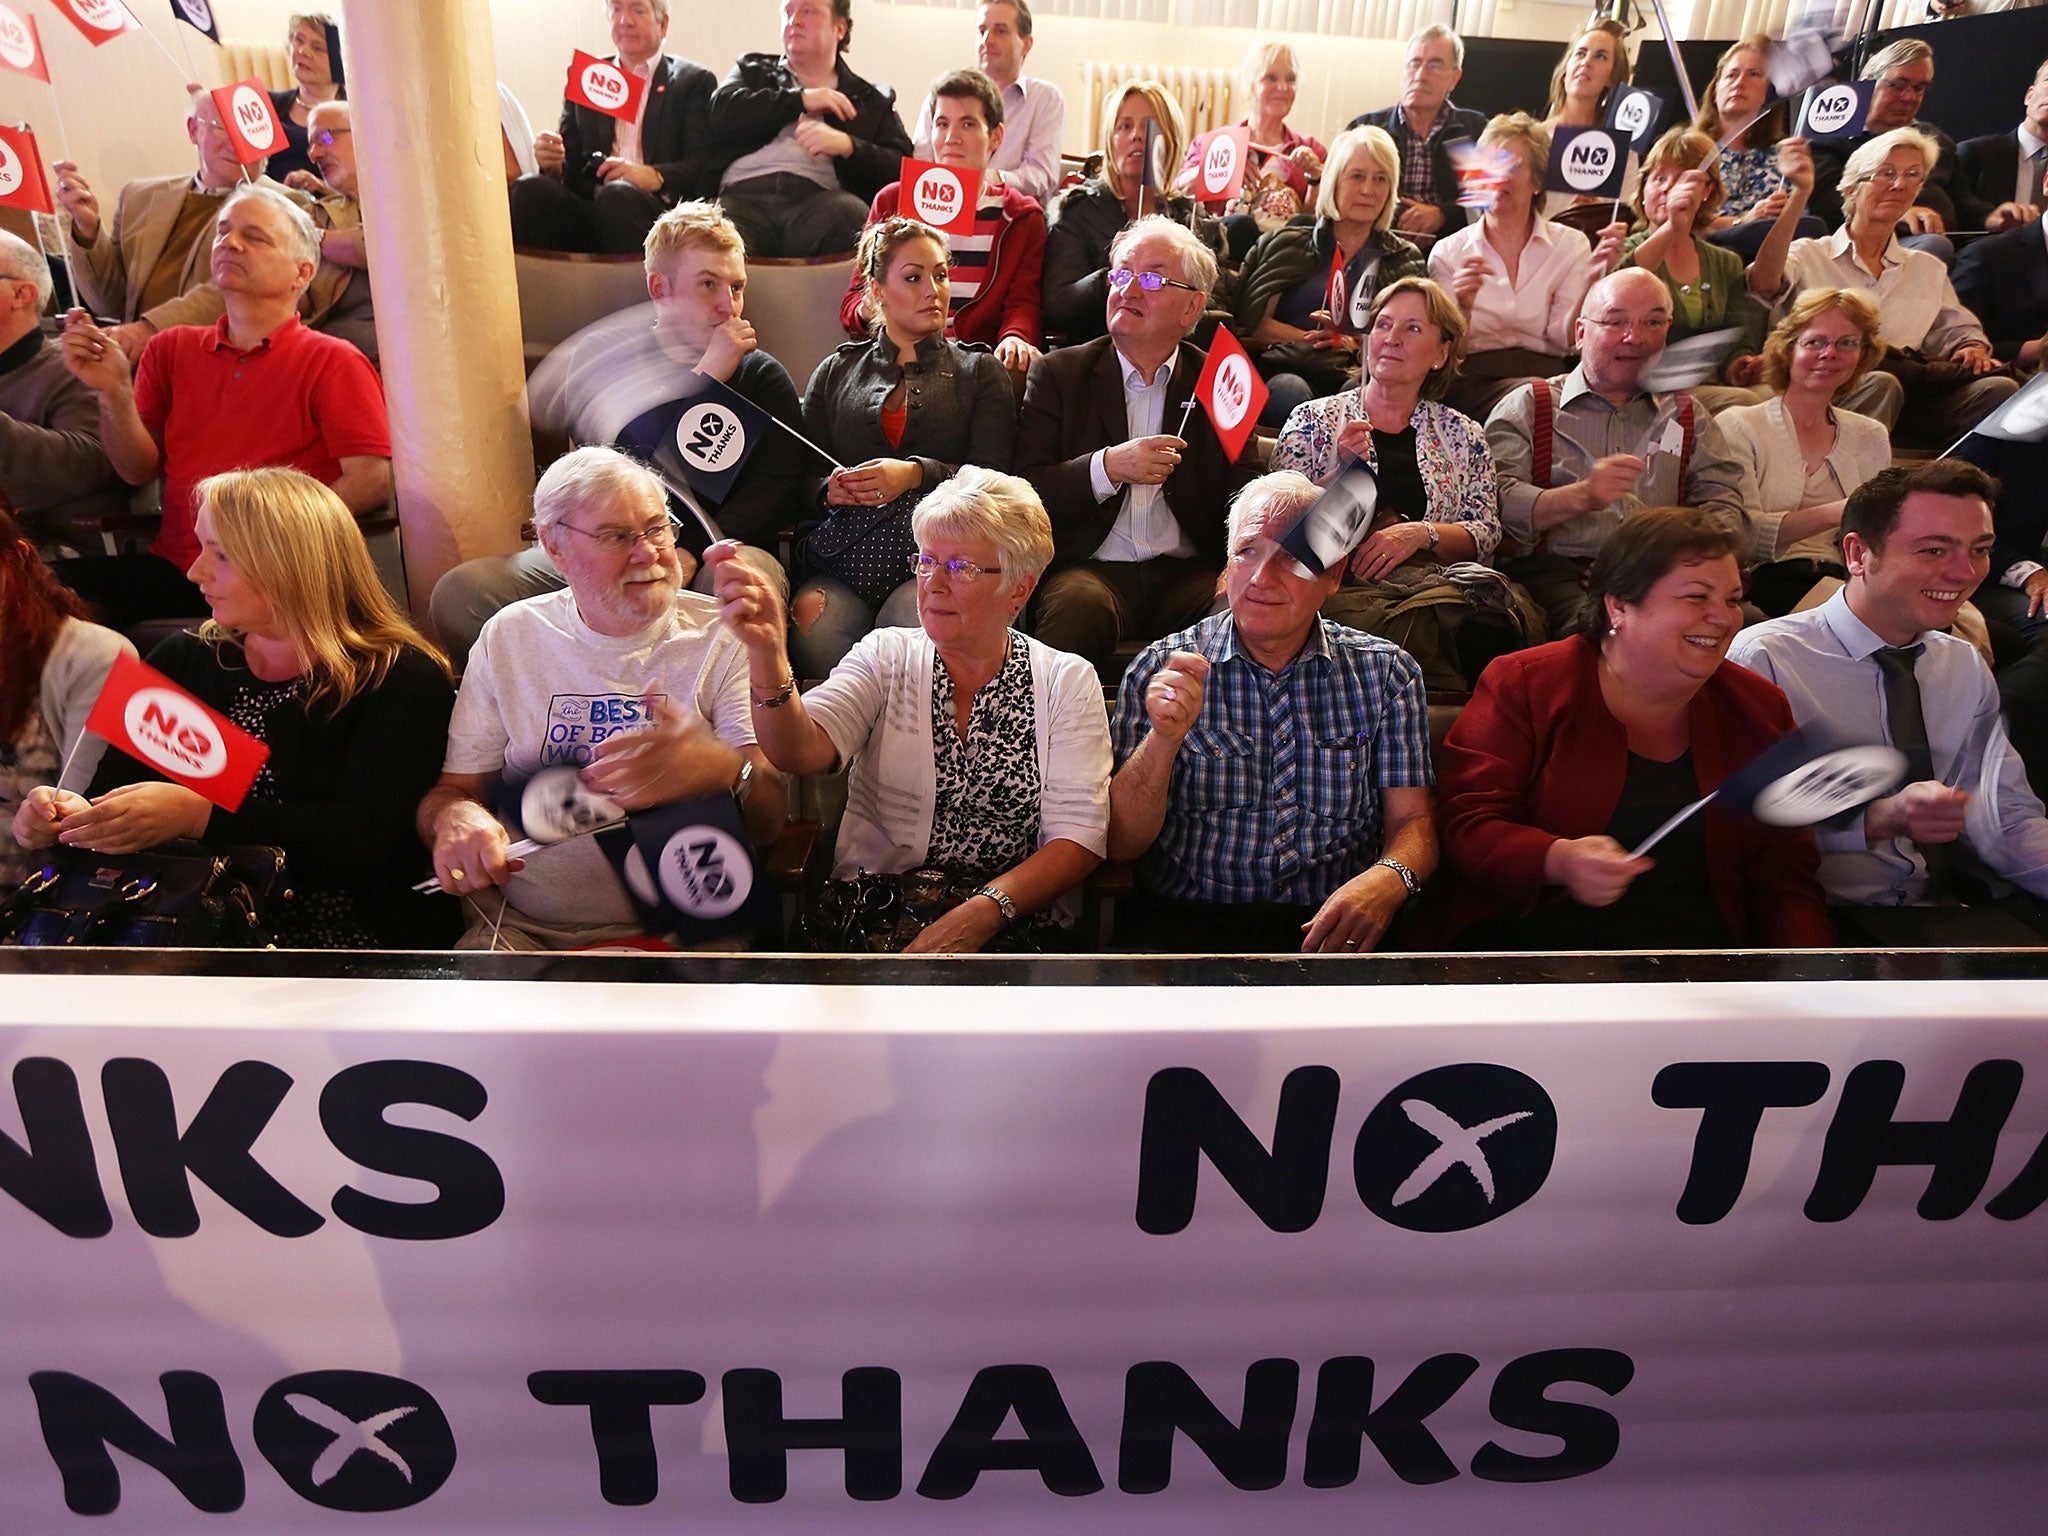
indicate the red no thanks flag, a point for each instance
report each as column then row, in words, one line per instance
column 22, row 182
column 1224, row 156
column 1231, row 391
column 156, row 722
column 21, row 48
column 100, row 20
column 939, row 195
column 604, row 87
column 251, row 121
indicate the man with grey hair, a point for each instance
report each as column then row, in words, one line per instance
column 149, row 268
column 624, row 676
column 1135, row 483
column 1900, row 74
column 255, row 389
column 331, row 144
column 52, row 467
column 1425, row 123
column 603, row 180
column 1273, row 768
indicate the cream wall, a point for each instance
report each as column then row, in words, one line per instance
column 124, row 104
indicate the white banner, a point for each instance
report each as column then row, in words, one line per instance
column 495, row 1257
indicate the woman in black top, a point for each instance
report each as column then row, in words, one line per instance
column 306, row 653
column 315, row 44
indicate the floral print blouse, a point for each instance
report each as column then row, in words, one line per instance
column 1450, row 451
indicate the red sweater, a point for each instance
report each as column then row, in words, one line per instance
column 1536, row 757
column 1009, row 301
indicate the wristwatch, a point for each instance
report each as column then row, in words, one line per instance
column 1407, row 875
column 1003, row 903
column 743, row 786
column 1433, row 534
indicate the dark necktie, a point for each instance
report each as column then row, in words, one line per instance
column 1909, row 735
column 2034, row 176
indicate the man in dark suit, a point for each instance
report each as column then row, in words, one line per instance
column 1425, row 124
column 603, row 181
column 1137, row 509
column 1988, row 170
column 2015, row 594
column 2003, row 280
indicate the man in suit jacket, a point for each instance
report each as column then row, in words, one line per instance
column 1425, row 123
column 2003, row 280
column 604, row 181
column 1137, row 510
column 1988, row 177
column 149, row 271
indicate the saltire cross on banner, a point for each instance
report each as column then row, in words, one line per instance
column 1638, row 114
column 696, row 870
column 604, row 87
column 21, row 47
column 1231, row 391
column 156, row 722
column 198, row 15
column 1837, row 111
column 942, row 196
column 1589, row 162
column 23, row 182
column 250, row 119
column 100, row 20
column 1222, row 156
column 704, row 437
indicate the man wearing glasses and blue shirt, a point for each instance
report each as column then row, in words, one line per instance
column 1136, row 484
column 624, row 676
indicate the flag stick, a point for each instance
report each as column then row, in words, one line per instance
column 191, row 72
column 821, row 453
column 70, row 758
column 62, row 215
column 1692, row 102
column 143, row 27
column 1670, row 826
column 1187, row 409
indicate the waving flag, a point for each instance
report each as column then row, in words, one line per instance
column 156, row 722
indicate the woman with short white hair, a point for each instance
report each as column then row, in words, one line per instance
column 1939, row 378
column 974, row 753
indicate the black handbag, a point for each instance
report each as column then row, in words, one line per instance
column 881, row 914
column 183, row 895
column 865, row 548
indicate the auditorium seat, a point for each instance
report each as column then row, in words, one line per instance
column 793, row 303
column 560, row 292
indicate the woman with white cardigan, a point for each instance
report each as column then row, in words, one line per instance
column 1805, row 454
column 970, row 747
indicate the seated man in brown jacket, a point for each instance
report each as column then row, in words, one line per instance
column 149, row 270
column 1137, row 505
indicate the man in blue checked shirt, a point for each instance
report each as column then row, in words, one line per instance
column 1273, row 768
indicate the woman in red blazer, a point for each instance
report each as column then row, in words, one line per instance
column 1571, row 753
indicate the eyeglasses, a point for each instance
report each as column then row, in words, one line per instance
column 1649, row 324
column 1151, row 282
column 1426, row 67
column 1904, row 87
column 618, row 541
column 326, row 136
column 1891, row 176
column 1813, row 346
column 924, row 567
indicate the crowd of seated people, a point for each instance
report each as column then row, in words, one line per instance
column 994, row 562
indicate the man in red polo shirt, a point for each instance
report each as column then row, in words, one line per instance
column 255, row 389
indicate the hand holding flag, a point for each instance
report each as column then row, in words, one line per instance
column 156, row 722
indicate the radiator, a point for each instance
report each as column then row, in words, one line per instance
column 1203, row 93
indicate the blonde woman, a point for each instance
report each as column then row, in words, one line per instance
column 1285, row 166
column 1084, row 220
column 1803, row 450
column 306, row 653
column 1519, row 278
column 1594, row 66
column 1305, row 290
